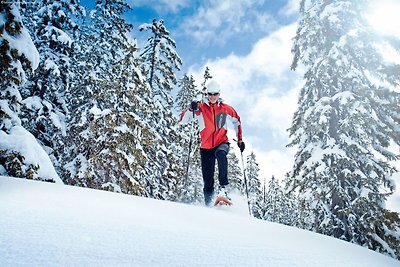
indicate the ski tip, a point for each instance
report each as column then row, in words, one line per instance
column 222, row 201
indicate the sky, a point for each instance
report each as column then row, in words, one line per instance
column 46, row 224
column 247, row 46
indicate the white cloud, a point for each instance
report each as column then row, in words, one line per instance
column 291, row 8
column 384, row 17
column 278, row 112
column 217, row 21
column 274, row 163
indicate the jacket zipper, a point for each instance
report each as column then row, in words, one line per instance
column 215, row 126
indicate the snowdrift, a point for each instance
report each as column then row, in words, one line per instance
column 44, row 224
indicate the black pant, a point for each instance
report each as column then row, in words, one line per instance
column 208, row 157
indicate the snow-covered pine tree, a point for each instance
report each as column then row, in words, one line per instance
column 254, row 186
column 235, row 174
column 18, row 58
column 159, row 60
column 187, row 92
column 98, row 51
column 128, row 136
column 76, row 148
column 277, row 206
column 53, row 25
column 108, row 138
column 344, row 124
column 191, row 185
column 271, row 202
column 206, row 77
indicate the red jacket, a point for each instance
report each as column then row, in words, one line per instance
column 212, row 120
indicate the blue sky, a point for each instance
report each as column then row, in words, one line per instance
column 211, row 28
column 247, row 46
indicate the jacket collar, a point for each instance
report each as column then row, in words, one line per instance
column 219, row 101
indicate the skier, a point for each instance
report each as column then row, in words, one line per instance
column 212, row 115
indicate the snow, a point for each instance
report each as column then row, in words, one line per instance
column 123, row 128
column 33, row 102
column 51, row 65
column 23, row 43
column 83, row 166
column 39, row 105
column 4, row 107
column 57, row 225
column 329, row 12
column 393, row 202
column 59, row 35
column 58, row 120
column 98, row 113
column 20, row 140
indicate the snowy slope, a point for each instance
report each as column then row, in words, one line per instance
column 43, row 224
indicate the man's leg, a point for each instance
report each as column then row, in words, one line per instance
column 221, row 152
column 207, row 168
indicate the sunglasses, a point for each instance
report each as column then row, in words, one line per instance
column 212, row 94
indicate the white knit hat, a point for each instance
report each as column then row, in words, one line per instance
column 213, row 87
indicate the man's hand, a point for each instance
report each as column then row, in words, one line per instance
column 241, row 145
column 194, row 106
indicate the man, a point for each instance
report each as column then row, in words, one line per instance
column 212, row 115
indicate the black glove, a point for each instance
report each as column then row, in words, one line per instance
column 194, row 106
column 241, row 145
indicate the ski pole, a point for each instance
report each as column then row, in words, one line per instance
column 245, row 183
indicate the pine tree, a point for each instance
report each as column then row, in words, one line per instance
column 18, row 58
column 277, row 206
column 53, row 25
column 343, row 122
column 206, row 77
column 191, row 184
column 254, row 186
column 235, row 174
column 187, row 92
column 159, row 60
column 272, row 198
column 109, row 132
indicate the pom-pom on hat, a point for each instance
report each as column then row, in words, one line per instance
column 213, row 87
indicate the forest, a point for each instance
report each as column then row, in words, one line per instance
column 75, row 86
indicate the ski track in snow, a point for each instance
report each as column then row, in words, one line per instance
column 43, row 224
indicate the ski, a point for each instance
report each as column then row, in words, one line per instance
column 222, row 201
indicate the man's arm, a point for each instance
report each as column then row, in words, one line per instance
column 188, row 114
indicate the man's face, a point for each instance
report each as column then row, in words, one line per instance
column 213, row 97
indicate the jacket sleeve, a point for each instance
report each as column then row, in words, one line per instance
column 237, row 125
column 187, row 116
